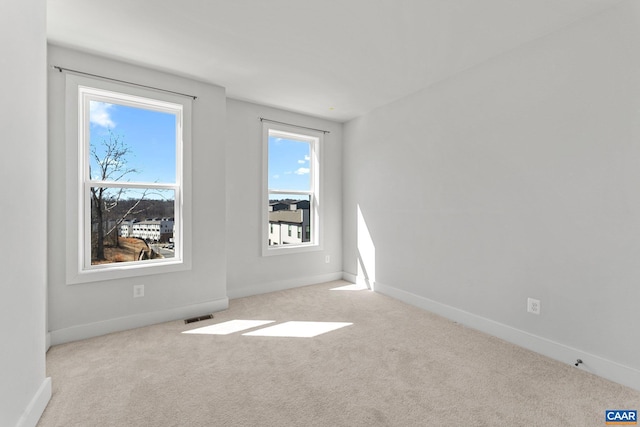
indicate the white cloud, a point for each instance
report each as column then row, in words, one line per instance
column 307, row 158
column 276, row 176
column 302, row 171
column 302, row 162
column 99, row 114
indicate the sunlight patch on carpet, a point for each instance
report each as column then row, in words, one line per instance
column 229, row 327
column 295, row 329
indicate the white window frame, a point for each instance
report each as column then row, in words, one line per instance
column 79, row 91
column 314, row 138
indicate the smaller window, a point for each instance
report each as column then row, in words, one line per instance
column 291, row 188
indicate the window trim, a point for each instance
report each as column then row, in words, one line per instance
column 78, row 184
column 315, row 139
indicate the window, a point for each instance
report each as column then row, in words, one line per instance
column 131, row 148
column 291, row 195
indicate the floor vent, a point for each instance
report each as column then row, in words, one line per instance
column 199, row 318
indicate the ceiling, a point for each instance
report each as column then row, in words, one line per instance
column 335, row 59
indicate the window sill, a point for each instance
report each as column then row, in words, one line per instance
column 115, row 272
column 287, row 249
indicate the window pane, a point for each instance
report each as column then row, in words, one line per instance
column 289, row 164
column 131, row 224
column 289, row 219
column 131, row 144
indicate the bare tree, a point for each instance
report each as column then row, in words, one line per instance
column 111, row 161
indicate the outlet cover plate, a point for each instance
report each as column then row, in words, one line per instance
column 533, row 305
column 138, row 291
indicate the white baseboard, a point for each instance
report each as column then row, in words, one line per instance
column 36, row 407
column 280, row 285
column 594, row 364
column 90, row 330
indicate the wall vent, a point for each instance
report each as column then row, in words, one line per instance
column 199, row 318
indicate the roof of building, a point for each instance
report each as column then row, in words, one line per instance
column 286, row 216
column 152, row 222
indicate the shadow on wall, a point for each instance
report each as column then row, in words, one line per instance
column 366, row 253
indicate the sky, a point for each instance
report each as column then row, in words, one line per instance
column 288, row 164
column 150, row 136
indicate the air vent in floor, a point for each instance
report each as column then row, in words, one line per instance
column 199, row 318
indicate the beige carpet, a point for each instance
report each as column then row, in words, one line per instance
column 396, row 365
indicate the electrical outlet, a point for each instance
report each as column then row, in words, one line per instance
column 327, row 259
column 533, row 305
column 138, row 291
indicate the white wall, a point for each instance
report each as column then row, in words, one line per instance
column 248, row 272
column 83, row 310
column 24, row 390
column 517, row 178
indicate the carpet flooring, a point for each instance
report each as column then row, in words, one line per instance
column 380, row 363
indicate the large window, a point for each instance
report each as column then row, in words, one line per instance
column 130, row 187
column 291, row 197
